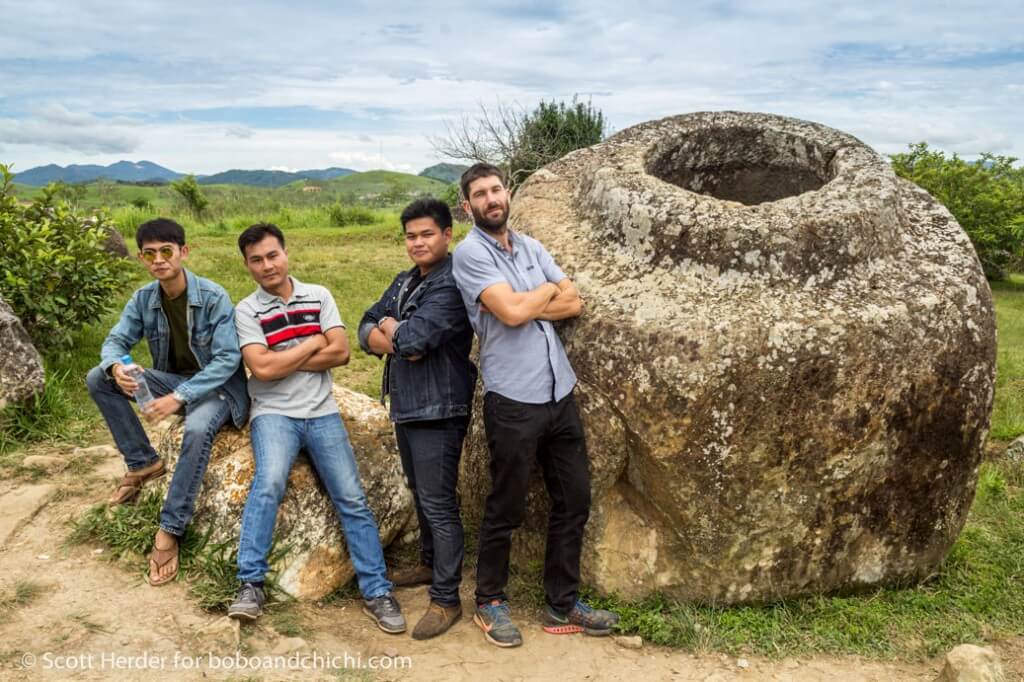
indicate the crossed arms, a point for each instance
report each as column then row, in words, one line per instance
column 547, row 302
column 314, row 354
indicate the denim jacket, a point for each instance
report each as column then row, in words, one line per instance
column 211, row 335
column 432, row 324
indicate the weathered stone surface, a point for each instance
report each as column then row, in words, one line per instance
column 19, row 506
column 114, row 244
column 969, row 663
column 44, row 462
column 318, row 561
column 1015, row 450
column 21, row 367
column 786, row 360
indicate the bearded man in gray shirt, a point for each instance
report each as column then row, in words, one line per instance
column 513, row 290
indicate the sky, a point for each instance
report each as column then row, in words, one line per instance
column 206, row 87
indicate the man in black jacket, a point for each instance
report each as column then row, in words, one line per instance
column 420, row 325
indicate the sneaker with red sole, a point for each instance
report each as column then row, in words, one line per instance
column 582, row 618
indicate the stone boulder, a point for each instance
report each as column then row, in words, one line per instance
column 21, row 367
column 786, row 360
column 114, row 244
column 317, row 562
column 970, row 663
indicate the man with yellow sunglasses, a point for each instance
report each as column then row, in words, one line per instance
column 188, row 323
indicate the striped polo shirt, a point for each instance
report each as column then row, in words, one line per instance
column 271, row 321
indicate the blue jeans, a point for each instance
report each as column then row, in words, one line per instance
column 276, row 441
column 203, row 419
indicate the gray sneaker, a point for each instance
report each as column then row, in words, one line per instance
column 495, row 619
column 386, row 612
column 248, row 605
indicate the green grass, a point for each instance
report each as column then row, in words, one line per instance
column 128, row 530
column 20, row 595
column 1008, row 412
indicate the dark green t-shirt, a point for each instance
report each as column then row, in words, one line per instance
column 180, row 359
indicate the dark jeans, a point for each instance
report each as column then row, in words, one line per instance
column 516, row 434
column 430, row 458
column 203, row 418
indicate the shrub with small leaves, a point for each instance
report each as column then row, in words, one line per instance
column 54, row 271
column 343, row 216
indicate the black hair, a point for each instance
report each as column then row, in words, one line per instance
column 477, row 171
column 160, row 230
column 254, row 234
column 435, row 209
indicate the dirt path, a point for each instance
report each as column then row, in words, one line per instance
column 95, row 621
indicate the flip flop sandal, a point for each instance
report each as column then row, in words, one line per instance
column 132, row 483
column 160, row 558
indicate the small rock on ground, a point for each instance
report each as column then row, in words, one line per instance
column 969, row 663
column 44, row 462
column 631, row 642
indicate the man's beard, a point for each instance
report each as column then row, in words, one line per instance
column 491, row 225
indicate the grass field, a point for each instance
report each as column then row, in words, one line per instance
column 381, row 189
column 975, row 597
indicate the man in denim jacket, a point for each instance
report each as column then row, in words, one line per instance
column 420, row 324
column 188, row 323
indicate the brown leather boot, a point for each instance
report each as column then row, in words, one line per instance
column 421, row 574
column 436, row 620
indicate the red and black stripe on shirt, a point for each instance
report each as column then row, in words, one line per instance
column 294, row 323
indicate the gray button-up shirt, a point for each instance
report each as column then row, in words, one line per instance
column 525, row 363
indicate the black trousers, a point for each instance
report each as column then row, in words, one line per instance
column 430, row 452
column 517, row 434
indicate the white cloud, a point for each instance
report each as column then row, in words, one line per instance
column 890, row 73
column 55, row 126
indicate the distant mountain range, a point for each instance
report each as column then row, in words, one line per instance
column 127, row 171
column 445, row 172
column 147, row 171
column 271, row 178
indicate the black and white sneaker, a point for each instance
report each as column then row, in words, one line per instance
column 386, row 612
column 248, row 605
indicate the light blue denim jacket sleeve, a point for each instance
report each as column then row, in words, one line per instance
column 125, row 334
column 224, row 352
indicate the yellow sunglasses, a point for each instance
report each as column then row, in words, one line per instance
column 149, row 255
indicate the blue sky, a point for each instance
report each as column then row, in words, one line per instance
column 203, row 87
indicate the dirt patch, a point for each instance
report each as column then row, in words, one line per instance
column 97, row 620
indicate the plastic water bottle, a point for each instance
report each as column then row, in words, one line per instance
column 143, row 396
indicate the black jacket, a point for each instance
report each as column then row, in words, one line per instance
column 432, row 324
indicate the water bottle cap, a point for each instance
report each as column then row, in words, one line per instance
column 126, row 359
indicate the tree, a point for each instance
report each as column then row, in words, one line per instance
column 188, row 189
column 985, row 196
column 520, row 142
column 57, row 276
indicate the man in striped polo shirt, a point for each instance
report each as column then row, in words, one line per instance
column 291, row 335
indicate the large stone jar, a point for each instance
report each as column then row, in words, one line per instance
column 786, row 360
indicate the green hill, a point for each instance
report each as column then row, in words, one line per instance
column 380, row 181
column 445, row 172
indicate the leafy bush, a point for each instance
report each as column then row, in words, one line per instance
column 551, row 131
column 343, row 216
column 985, row 196
column 188, row 189
column 56, row 274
